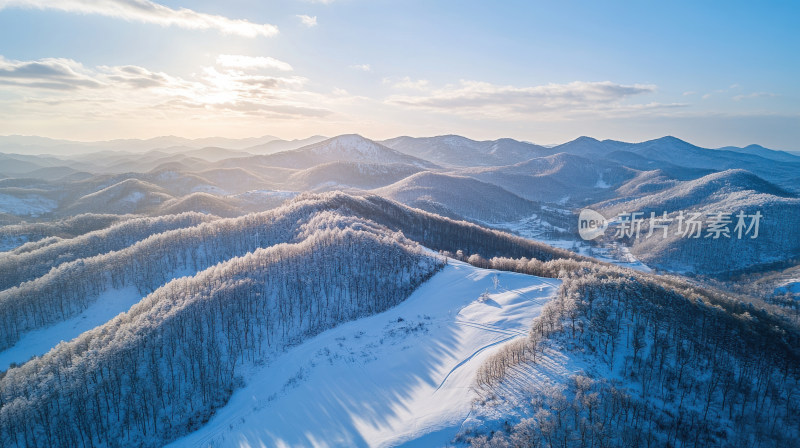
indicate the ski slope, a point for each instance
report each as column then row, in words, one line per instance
column 402, row 377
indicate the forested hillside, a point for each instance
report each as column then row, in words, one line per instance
column 161, row 369
column 644, row 360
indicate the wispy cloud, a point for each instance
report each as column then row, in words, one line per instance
column 149, row 12
column 406, row 83
column 50, row 73
column 307, row 20
column 49, row 86
column 362, row 67
column 250, row 62
column 754, row 95
column 543, row 101
column 134, row 77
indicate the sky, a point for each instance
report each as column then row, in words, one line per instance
column 712, row 73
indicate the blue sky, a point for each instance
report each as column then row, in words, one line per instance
column 713, row 73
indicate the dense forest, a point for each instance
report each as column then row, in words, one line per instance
column 160, row 370
column 674, row 365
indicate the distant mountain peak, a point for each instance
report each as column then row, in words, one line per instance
column 669, row 139
column 581, row 141
column 348, row 144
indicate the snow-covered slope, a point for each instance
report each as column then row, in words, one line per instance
column 343, row 175
column 459, row 197
column 38, row 342
column 727, row 192
column 455, row 150
column 556, row 178
column 26, row 204
column 128, row 196
column 402, row 377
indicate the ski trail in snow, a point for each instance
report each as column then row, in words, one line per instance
column 472, row 356
column 492, row 328
column 489, row 327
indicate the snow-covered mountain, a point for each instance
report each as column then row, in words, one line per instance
column 676, row 152
column 128, row 196
column 454, row 150
column 560, row 177
column 710, row 190
column 346, row 292
column 780, row 156
column 344, row 148
column 730, row 193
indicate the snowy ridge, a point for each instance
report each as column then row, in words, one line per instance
column 457, row 151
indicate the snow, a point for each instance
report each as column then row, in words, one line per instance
column 40, row 341
column 28, row 205
column 601, row 183
column 351, row 145
column 134, row 197
column 212, row 189
column 789, row 286
column 11, row 242
column 402, row 377
column 257, row 194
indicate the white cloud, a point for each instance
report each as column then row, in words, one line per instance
column 307, row 20
column 250, row 62
column 550, row 101
column 406, row 83
column 149, row 12
column 362, row 67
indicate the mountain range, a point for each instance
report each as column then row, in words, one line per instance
column 431, row 291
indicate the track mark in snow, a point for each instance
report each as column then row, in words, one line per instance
column 472, row 356
column 489, row 327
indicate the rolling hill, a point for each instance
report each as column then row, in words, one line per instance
column 459, row 197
